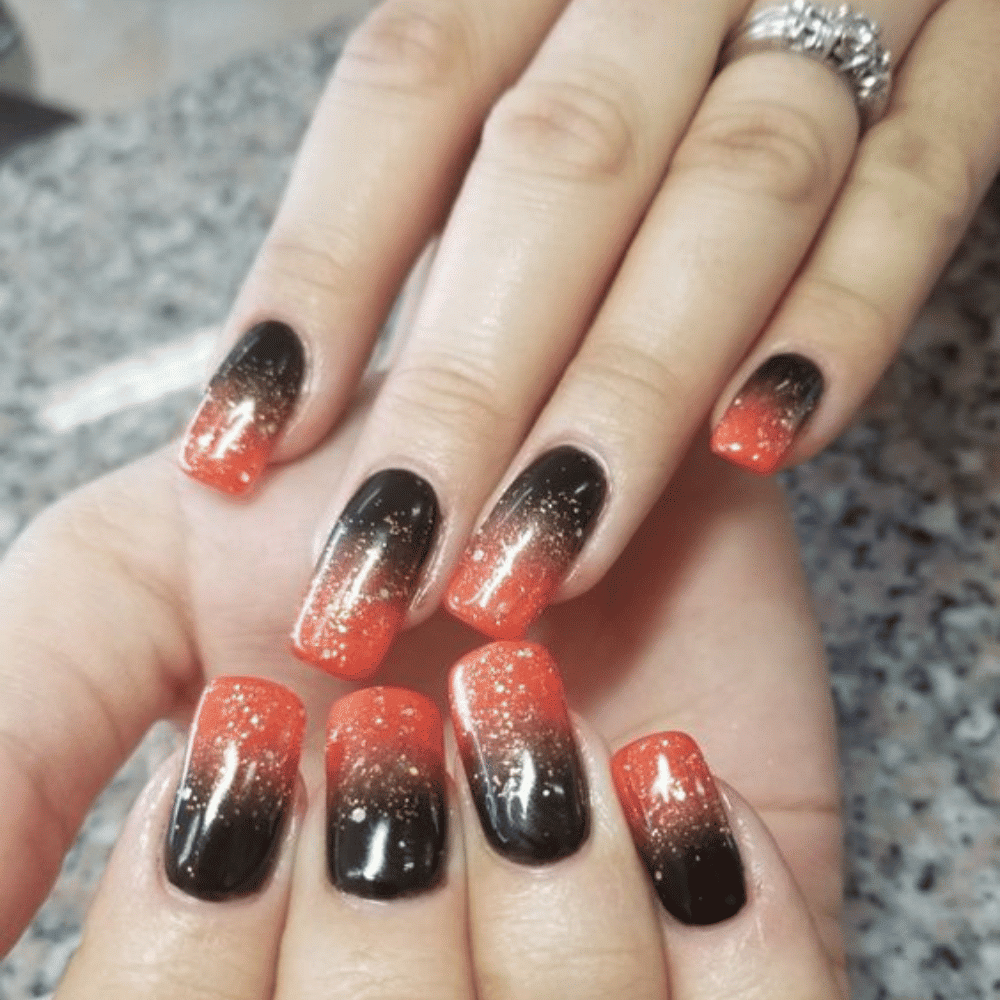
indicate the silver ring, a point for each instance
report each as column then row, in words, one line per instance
column 846, row 42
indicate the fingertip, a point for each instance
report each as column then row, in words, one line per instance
column 733, row 917
column 247, row 404
column 366, row 575
column 147, row 936
column 387, row 811
column 762, row 423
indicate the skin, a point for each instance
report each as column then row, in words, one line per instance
column 593, row 186
column 705, row 626
column 122, row 599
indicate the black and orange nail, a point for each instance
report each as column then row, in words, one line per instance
column 386, row 806
column 515, row 562
column 760, row 425
column 517, row 746
column 680, row 827
column 245, row 408
column 236, row 789
column 365, row 578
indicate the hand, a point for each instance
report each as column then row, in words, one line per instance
column 118, row 603
column 629, row 241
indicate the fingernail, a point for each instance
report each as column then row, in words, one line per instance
column 236, row 789
column 515, row 562
column 760, row 425
column 365, row 578
column 245, row 408
column 520, row 757
column 680, row 827
column 386, row 811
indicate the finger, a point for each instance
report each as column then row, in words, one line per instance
column 378, row 907
column 915, row 183
column 746, row 191
column 374, row 177
column 568, row 161
column 705, row 624
column 83, row 676
column 734, row 923
column 557, row 905
column 194, row 898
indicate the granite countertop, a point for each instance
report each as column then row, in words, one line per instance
column 128, row 233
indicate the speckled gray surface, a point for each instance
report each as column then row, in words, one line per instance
column 132, row 231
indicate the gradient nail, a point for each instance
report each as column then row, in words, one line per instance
column 236, row 789
column 245, row 408
column 516, row 742
column 386, row 808
column 366, row 575
column 680, row 827
column 760, row 425
column 515, row 562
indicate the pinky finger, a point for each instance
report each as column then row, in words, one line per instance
column 734, row 922
column 917, row 178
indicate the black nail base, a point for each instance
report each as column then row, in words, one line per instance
column 533, row 808
column 701, row 884
column 227, row 857
column 387, row 850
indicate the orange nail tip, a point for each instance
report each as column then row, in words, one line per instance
column 247, row 403
column 760, row 426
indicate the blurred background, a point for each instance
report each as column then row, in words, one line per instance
column 65, row 59
column 108, row 55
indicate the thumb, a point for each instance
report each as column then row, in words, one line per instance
column 94, row 648
column 735, row 924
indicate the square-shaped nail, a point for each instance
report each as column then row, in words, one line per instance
column 386, row 807
column 760, row 425
column 246, row 406
column 680, row 827
column 365, row 578
column 236, row 789
column 515, row 562
column 518, row 749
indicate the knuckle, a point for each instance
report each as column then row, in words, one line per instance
column 844, row 312
column 761, row 147
column 320, row 268
column 408, row 44
column 630, row 377
column 921, row 172
column 24, row 774
column 583, row 130
column 458, row 396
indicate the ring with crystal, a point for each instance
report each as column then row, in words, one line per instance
column 846, row 42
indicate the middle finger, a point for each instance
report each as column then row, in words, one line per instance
column 568, row 162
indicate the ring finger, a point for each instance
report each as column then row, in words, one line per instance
column 914, row 184
column 746, row 192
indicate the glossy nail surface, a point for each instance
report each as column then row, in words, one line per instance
column 386, row 807
column 760, row 425
column 680, row 827
column 520, row 756
column 245, row 408
column 236, row 789
column 365, row 577
column 515, row 562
